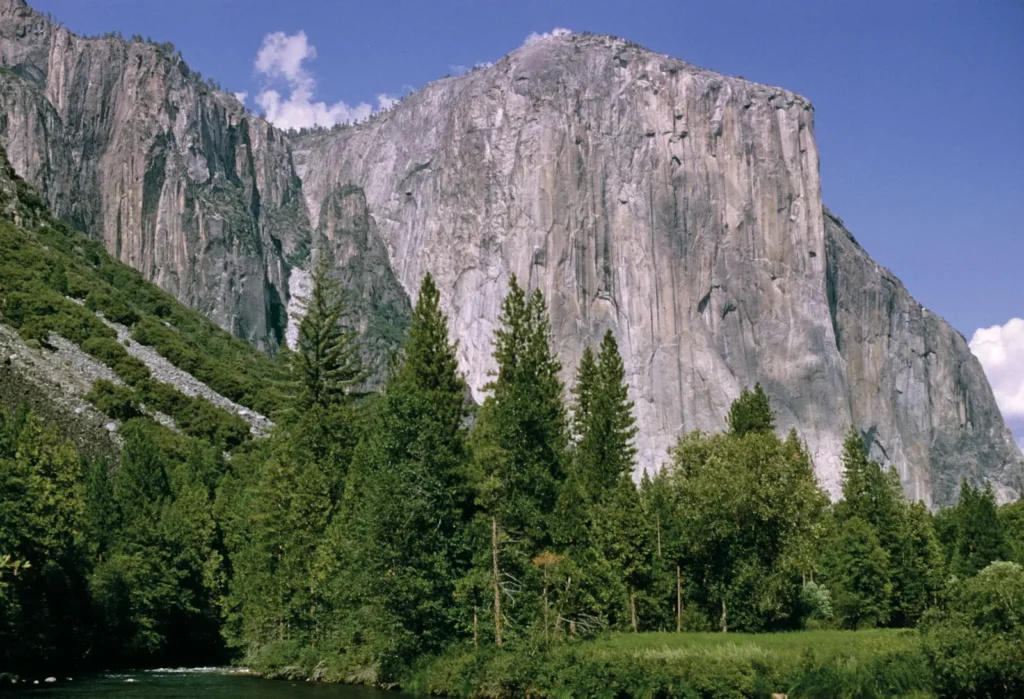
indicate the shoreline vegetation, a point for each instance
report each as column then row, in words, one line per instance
column 411, row 539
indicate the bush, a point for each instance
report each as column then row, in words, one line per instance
column 195, row 416
column 113, row 308
column 117, row 402
column 975, row 640
column 112, row 353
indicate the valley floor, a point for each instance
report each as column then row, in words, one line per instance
column 827, row 663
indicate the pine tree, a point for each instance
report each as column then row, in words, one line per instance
column 751, row 412
column 859, row 574
column 519, row 447
column 326, row 362
column 409, row 509
column 979, row 537
column 600, row 506
column 605, row 453
column 524, row 421
column 582, row 392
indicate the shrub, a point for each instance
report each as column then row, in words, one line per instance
column 117, row 402
column 109, row 351
column 113, row 308
column 975, row 640
column 195, row 416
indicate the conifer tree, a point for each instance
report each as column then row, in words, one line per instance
column 524, row 421
column 326, row 362
column 605, row 454
column 519, row 447
column 859, row 574
column 979, row 537
column 409, row 506
column 751, row 412
column 918, row 567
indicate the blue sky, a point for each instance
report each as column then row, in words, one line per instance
column 919, row 104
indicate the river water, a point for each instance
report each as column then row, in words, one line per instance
column 195, row 684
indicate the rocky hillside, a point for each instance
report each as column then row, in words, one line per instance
column 677, row 207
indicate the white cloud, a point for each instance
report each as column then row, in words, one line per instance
column 1000, row 349
column 241, row 96
column 557, row 31
column 283, row 57
column 462, row 70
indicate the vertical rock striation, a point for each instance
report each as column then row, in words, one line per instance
column 176, row 178
column 682, row 210
column 679, row 208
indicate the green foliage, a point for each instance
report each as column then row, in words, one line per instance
column 808, row 664
column 522, row 439
column 325, row 366
column 1011, row 522
column 117, row 402
column 979, row 538
column 975, row 639
column 195, row 416
column 129, row 369
column 751, row 412
column 408, row 505
column 748, row 509
column 40, row 516
column 883, row 561
column 858, row 572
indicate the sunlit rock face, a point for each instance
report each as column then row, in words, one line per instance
column 682, row 210
column 175, row 177
column 677, row 207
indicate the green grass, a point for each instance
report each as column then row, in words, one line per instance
column 780, row 646
column 809, row 664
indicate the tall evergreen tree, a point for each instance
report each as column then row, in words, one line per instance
column 979, row 537
column 524, row 422
column 409, row 506
column 605, row 454
column 858, row 571
column 519, row 447
column 326, row 362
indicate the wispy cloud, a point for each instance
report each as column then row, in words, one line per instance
column 241, row 96
column 462, row 70
column 283, row 58
column 1000, row 349
column 535, row 37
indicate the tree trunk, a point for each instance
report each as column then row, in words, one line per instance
column 497, row 590
column 476, row 633
column 725, row 625
column 659, row 535
column 679, row 599
column 547, row 635
column 632, row 609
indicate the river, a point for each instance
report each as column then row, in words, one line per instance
column 195, row 684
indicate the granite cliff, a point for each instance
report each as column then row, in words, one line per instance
column 677, row 207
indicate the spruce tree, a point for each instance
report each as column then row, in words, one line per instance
column 408, row 506
column 979, row 537
column 326, row 364
column 524, row 421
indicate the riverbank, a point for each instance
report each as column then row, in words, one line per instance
column 834, row 664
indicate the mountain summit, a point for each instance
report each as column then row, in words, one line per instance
column 679, row 208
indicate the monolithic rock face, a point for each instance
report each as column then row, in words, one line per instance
column 682, row 210
column 679, row 208
column 175, row 177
